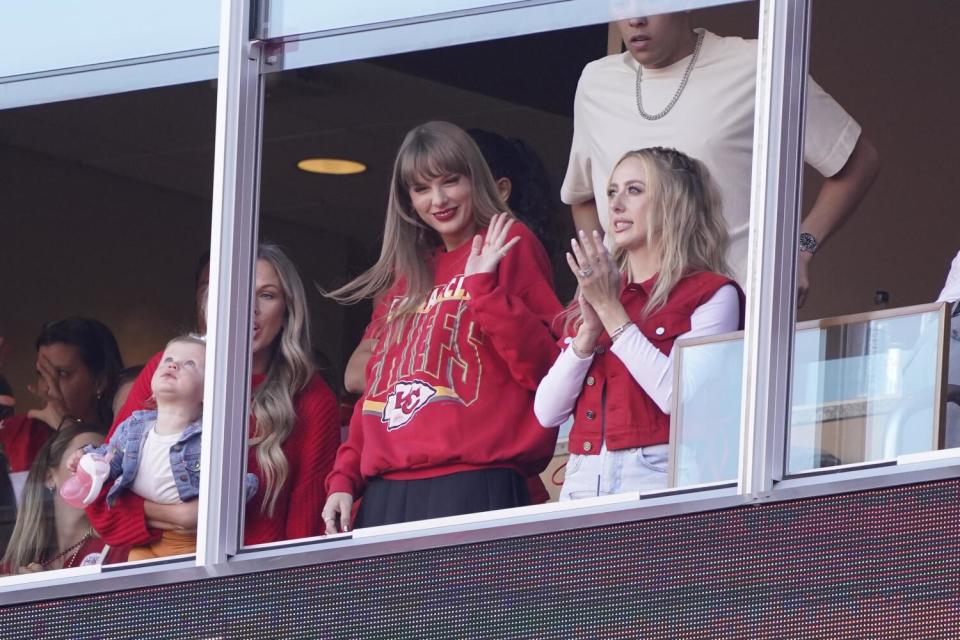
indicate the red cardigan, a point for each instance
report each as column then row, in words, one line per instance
column 310, row 450
column 450, row 388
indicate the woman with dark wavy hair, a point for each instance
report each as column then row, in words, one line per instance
column 77, row 366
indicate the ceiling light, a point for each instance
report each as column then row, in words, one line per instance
column 331, row 166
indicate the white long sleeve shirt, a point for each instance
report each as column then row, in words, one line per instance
column 650, row 368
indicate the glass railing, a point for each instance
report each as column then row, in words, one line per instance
column 705, row 419
column 866, row 388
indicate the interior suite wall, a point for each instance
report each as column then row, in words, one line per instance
column 78, row 241
column 891, row 68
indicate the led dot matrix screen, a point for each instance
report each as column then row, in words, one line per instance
column 876, row 564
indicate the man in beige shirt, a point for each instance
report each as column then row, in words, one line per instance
column 695, row 91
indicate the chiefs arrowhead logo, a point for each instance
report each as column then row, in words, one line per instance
column 407, row 398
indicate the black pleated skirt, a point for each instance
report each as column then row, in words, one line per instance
column 393, row 501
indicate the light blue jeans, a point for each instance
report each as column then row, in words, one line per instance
column 623, row 471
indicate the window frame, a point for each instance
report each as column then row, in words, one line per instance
column 775, row 208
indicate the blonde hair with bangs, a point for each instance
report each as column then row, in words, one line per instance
column 428, row 151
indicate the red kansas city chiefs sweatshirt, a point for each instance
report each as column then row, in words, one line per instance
column 450, row 388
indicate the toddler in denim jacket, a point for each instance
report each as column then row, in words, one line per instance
column 157, row 452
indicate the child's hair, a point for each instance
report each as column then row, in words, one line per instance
column 34, row 537
column 290, row 370
column 98, row 350
column 428, row 151
column 685, row 223
column 189, row 338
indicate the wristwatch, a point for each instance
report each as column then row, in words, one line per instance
column 808, row 243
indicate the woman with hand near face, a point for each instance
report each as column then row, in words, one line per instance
column 293, row 434
column 667, row 279
column 77, row 366
column 461, row 340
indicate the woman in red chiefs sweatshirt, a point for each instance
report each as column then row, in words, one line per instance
column 666, row 280
column 294, row 429
column 446, row 423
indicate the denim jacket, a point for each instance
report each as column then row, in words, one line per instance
column 127, row 442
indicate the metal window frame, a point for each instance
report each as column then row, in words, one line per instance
column 444, row 29
column 233, row 239
column 774, row 227
column 108, row 78
column 784, row 26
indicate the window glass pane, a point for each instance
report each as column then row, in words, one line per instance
column 879, row 259
column 47, row 35
column 705, row 423
column 296, row 16
column 866, row 390
column 449, row 386
column 106, row 222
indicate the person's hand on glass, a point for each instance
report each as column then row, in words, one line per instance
column 486, row 253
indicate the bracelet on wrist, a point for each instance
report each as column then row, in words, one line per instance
column 616, row 333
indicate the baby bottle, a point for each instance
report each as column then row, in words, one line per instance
column 84, row 486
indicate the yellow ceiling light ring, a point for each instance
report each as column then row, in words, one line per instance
column 331, row 166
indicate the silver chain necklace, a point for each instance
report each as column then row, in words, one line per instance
column 676, row 96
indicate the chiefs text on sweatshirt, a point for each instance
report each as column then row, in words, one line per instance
column 450, row 387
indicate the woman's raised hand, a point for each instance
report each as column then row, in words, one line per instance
column 486, row 253
column 56, row 408
column 336, row 512
column 74, row 460
column 596, row 272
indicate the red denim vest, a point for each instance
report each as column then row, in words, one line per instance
column 612, row 407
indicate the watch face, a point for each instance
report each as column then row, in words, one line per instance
column 808, row 242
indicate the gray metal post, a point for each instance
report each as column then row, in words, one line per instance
column 232, row 243
column 774, row 227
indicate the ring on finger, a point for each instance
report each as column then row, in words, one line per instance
column 585, row 273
